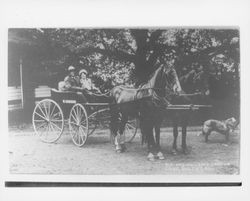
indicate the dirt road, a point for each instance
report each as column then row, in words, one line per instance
column 31, row 156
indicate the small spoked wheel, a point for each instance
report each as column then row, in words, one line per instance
column 48, row 120
column 78, row 124
column 131, row 130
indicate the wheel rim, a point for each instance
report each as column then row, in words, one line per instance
column 130, row 130
column 78, row 124
column 48, row 120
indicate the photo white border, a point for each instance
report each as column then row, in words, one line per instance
column 118, row 13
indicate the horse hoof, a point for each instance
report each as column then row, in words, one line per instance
column 118, row 151
column 151, row 157
column 160, row 156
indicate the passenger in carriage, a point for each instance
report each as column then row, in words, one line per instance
column 72, row 83
column 86, row 83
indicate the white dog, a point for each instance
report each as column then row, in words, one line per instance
column 223, row 127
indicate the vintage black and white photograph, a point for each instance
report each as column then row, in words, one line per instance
column 124, row 101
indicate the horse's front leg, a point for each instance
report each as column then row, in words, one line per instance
column 147, row 133
column 175, row 133
column 151, row 143
column 157, row 139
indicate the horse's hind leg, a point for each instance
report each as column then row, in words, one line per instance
column 184, row 135
column 114, row 127
column 123, row 121
column 157, row 138
column 157, row 135
column 151, row 143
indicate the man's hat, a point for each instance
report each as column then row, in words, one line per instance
column 83, row 71
column 71, row 68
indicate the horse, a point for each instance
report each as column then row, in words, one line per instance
column 197, row 87
column 145, row 103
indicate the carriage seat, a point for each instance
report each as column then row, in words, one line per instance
column 65, row 96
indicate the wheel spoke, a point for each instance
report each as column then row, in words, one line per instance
column 74, row 117
column 56, row 120
column 74, row 130
column 52, row 128
column 45, row 108
column 49, row 110
column 80, row 114
column 74, row 123
column 83, row 127
column 75, row 114
column 83, row 122
column 79, row 137
column 41, row 110
column 40, row 125
column 40, row 116
column 56, row 125
column 83, row 136
column 43, row 130
column 52, row 110
column 56, row 114
column 39, row 120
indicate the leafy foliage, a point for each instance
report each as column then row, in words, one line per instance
column 131, row 55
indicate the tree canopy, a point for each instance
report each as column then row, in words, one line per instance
column 131, row 55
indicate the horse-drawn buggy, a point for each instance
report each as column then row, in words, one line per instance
column 51, row 117
column 121, row 106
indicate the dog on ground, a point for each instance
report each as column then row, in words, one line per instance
column 223, row 127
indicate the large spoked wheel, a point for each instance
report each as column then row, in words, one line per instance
column 131, row 128
column 78, row 124
column 48, row 120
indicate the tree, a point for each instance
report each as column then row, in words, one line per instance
column 137, row 52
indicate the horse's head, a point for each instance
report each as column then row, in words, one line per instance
column 172, row 80
column 166, row 82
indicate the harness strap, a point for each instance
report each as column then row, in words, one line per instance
column 101, row 94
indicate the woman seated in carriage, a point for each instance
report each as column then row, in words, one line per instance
column 86, row 83
column 78, row 83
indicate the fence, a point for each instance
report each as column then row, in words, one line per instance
column 15, row 101
column 15, row 98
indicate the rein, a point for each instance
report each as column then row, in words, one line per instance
column 193, row 94
column 101, row 94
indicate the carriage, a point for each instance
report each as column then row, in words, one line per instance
column 83, row 117
column 66, row 111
